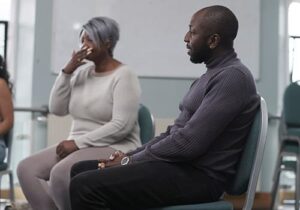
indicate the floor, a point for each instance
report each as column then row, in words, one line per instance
column 289, row 206
column 22, row 205
column 2, row 206
column 18, row 196
column 260, row 201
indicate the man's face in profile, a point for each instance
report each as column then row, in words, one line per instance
column 197, row 40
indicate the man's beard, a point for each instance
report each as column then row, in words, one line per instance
column 200, row 56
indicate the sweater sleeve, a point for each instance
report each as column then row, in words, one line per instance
column 126, row 96
column 151, row 142
column 60, row 95
column 157, row 138
column 222, row 102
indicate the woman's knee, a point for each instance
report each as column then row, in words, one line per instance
column 37, row 165
column 59, row 176
column 24, row 167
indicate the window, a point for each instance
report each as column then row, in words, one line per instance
column 3, row 38
column 5, row 6
column 294, row 41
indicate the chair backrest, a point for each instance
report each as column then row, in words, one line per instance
column 146, row 123
column 250, row 163
column 291, row 104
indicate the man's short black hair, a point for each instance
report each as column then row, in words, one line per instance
column 222, row 21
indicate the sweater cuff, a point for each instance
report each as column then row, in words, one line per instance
column 65, row 75
column 132, row 152
column 140, row 157
column 80, row 143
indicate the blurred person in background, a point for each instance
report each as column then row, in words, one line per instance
column 6, row 106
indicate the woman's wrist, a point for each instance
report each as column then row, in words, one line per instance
column 66, row 72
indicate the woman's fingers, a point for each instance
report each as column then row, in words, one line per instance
column 112, row 157
column 60, row 152
column 89, row 51
column 82, row 54
column 116, row 154
column 58, row 149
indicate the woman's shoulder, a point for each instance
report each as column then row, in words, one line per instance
column 125, row 71
column 3, row 84
column 4, row 89
column 2, row 81
column 83, row 72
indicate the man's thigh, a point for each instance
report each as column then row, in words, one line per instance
column 148, row 184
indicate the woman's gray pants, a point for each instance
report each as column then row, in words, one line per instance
column 45, row 178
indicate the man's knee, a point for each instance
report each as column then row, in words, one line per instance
column 86, row 193
column 76, row 184
column 83, row 166
column 76, row 192
column 76, row 169
column 79, row 187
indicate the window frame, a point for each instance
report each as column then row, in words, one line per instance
column 5, row 23
column 294, row 38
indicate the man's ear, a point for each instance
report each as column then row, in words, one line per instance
column 214, row 41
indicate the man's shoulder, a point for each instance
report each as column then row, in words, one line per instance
column 235, row 70
column 236, row 76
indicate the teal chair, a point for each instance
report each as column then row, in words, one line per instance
column 5, row 166
column 246, row 178
column 146, row 123
column 289, row 135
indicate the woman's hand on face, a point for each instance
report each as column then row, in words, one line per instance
column 77, row 59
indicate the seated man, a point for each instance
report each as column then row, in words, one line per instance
column 194, row 160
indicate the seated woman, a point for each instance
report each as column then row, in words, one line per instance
column 103, row 100
column 6, row 107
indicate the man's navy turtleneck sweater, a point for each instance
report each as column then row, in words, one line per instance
column 215, row 117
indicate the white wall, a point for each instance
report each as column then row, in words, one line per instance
column 152, row 33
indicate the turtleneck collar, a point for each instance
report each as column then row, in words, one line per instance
column 221, row 60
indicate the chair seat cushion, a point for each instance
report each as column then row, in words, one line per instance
column 219, row 205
